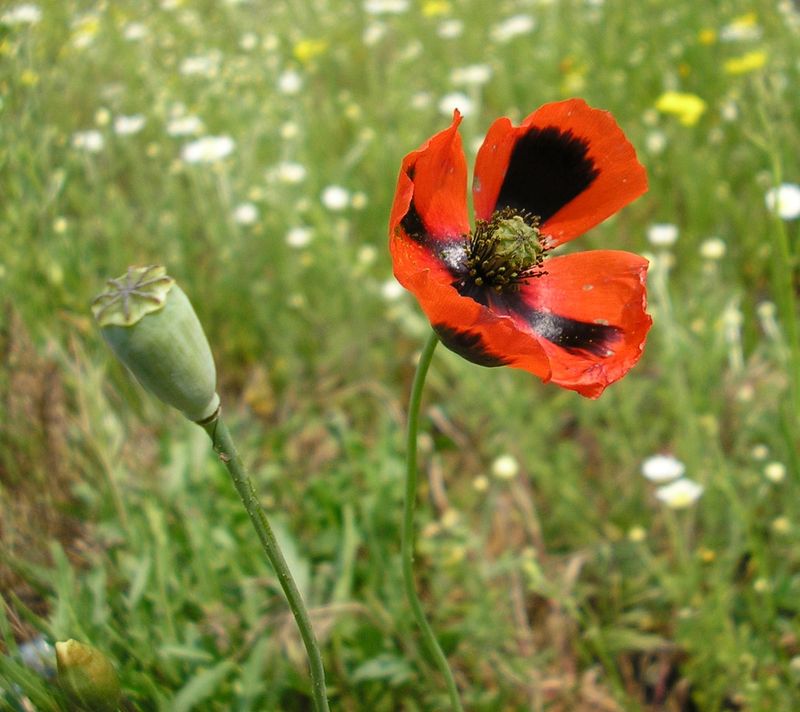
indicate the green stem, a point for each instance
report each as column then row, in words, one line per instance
column 407, row 545
column 224, row 447
column 784, row 266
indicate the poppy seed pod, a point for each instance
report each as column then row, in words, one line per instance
column 87, row 677
column 150, row 325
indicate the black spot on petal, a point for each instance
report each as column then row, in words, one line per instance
column 548, row 168
column 468, row 345
column 573, row 335
column 413, row 225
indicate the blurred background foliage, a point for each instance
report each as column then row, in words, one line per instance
column 253, row 148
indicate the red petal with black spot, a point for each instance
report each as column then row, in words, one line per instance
column 494, row 294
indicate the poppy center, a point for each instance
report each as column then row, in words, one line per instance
column 505, row 251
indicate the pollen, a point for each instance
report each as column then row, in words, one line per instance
column 505, row 251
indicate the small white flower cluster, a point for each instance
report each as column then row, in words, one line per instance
column 335, row 198
column 189, row 125
column 386, row 7
column 26, row 14
column 299, row 237
column 287, row 172
column 471, row 75
column 512, row 27
column 202, row 65
column 135, row 31
column 450, row 28
column 208, row 149
column 505, row 467
column 129, row 125
column 662, row 234
column 245, row 214
column 681, row 492
column 91, row 140
column 784, row 201
column 290, row 82
column 456, row 100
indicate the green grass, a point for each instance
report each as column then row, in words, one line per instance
column 569, row 587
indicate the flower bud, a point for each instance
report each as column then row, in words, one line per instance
column 152, row 328
column 87, row 677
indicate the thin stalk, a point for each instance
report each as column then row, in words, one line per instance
column 407, row 542
column 224, row 447
column 784, row 265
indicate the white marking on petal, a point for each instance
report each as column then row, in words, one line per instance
column 454, row 255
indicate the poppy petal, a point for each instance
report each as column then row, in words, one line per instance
column 430, row 203
column 472, row 330
column 568, row 163
column 588, row 312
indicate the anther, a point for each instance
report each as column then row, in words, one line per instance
column 505, row 251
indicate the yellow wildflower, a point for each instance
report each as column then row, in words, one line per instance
column 743, row 22
column 29, row 78
column 707, row 36
column 688, row 108
column 707, row 556
column 306, row 50
column 749, row 62
column 574, row 81
column 436, row 8
column 85, row 29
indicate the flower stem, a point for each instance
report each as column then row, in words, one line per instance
column 224, row 447
column 407, row 545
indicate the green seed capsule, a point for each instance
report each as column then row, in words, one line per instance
column 150, row 324
column 87, row 677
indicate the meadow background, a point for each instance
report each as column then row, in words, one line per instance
column 555, row 575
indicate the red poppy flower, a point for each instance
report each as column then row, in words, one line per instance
column 494, row 294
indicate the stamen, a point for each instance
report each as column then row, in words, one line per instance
column 505, row 252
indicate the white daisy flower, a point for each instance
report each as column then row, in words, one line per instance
column 662, row 468
column 450, row 29
column 248, row 41
column 713, row 248
column 680, row 494
column 245, row 214
column 91, row 141
column 386, row 7
column 742, row 29
column 775, row 472
column 335, row 198
column 289, row 172
column 373, row 33
column 471, row 75
column 784, row 201
column 208, row 149
column 662, row 234
column 505, row 467
column 655, row 142
column 185, row 126
column 135, row 31
column 290, row 82
column 206, row 65
column 26, row 14
column 299, row 237
column 512, row 27
column 392, row 290
column 128, row 125
column 456, row 100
